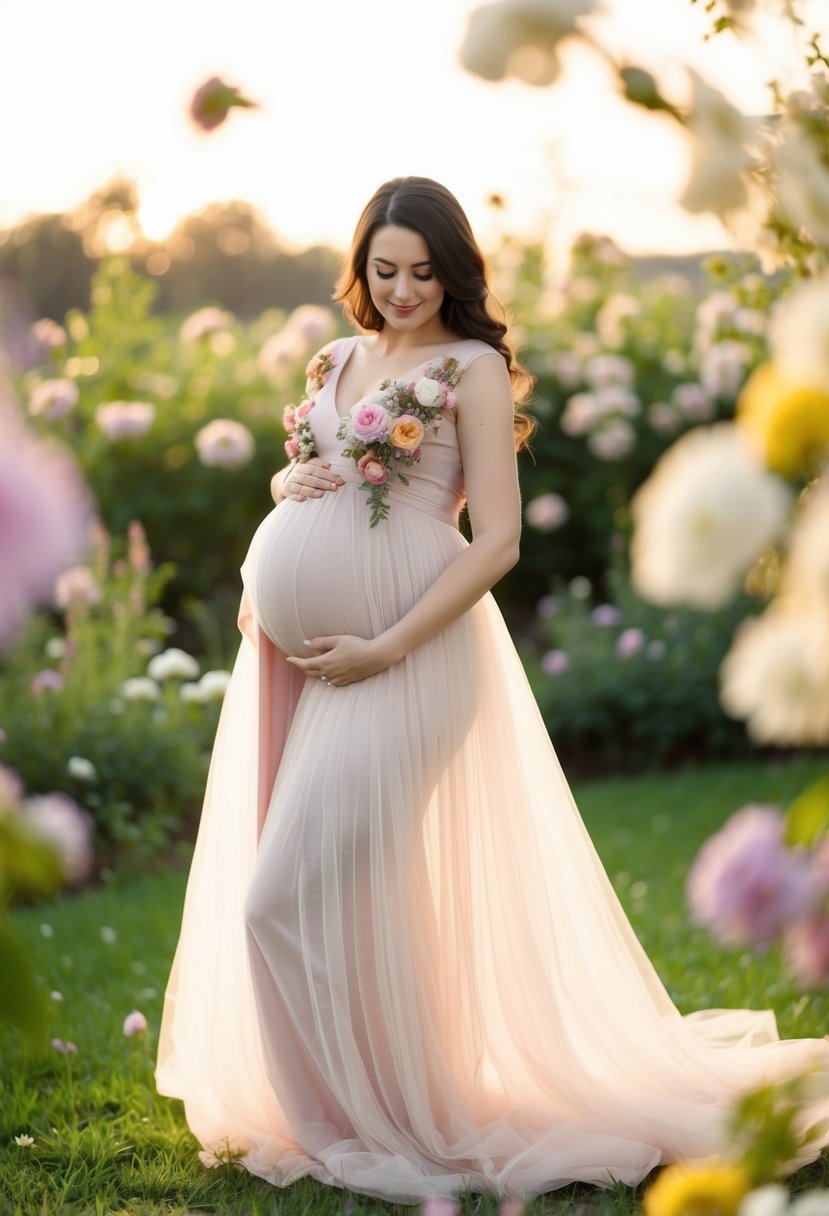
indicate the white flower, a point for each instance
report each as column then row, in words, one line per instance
column 720, row 134
column 224, row 444
column 520, row 38
column 125, row 419
column 702, row 517
column 48, row 333
column 663, row 418
column 807, row 567
column 616, row 399
column 546, row 512
column 172, row 664
column 190, row 692
column 693, row 402
column 203, row 322
column 803, row 180
column 429, row 392
column 80, row 767
column 767, row 1201
column 68, row 829
column 604, row 370
column 56, row 648
column 213, row 685
column 613, row 316
column 613, row 440
column 108, row 935
column 567, row 369
column 24, row 1141
column 799, row 333
column 51, row 399
column 776, row 675
column 140, row 688
column 723, row 368
column 812, row 1203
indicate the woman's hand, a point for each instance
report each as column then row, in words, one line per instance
column 344, row 658
column 305, row 479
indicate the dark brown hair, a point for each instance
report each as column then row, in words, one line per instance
column 469, row 309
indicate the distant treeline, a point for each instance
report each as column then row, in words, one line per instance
column 225, row 254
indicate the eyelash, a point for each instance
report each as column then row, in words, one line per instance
column 422, row 278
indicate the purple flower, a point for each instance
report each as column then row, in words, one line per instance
column 554, row 662
column 46, row 679
column 548, row 606
column 745, row 885
column 629, row 642
column 606, row 616
column 806, row 950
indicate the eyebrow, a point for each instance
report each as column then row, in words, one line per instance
column 386, row 262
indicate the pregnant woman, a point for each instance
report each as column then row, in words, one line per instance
column 402, row 968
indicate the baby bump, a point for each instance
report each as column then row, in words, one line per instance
column 319, row 569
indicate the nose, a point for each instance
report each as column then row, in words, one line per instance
column 404, row 289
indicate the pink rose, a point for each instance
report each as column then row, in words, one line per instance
column 304, row 406
column 291, row 449
column 370, row 422
column 289, row 418
column 372, row 470
column 449, row 399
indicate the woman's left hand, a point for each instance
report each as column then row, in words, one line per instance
column 343, row 659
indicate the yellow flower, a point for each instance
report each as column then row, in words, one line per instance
column 787, row 420
column 407, row 432
column 706, row 1190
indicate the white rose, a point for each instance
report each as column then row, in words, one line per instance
column 429, row 392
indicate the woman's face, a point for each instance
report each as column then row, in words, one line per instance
column 403, row 287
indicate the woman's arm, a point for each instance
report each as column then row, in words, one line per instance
column 486, row 439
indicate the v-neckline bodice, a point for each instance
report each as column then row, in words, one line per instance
column 334, row 378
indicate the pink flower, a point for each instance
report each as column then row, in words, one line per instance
column 629, row 642
column 203, row 322
column 806, row 950
column 693, row 401
column 138, row 551
column 224, row 444
column 291, row 449
column 67, row 1048
column 44, row 512
column 77, row 585
column 46, row 680
column 289, row 418
column 47, row 333
column 437, row 1205
column 605, row 616
column 313, row 322
column 744, row 884
column 546, row 512
column 51, row 399
column 125, row 419
column 304, row 406
column 449, row 399
column 11, row 787
column 134, row 1024
column 513, row 1206
column 554, row 662
column 372, row 470
column 370, row 422
column 68, row 829
column 213, row 101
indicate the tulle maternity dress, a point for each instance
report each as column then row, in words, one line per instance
column 402, row 968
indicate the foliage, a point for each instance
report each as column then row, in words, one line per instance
column 65, row 699
column 102, row 1136
column 626, row 686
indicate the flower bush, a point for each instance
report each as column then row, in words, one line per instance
column 91, row 711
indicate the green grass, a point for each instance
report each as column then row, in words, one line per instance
column 105, row 1142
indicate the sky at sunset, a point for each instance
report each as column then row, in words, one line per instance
column 350, row 93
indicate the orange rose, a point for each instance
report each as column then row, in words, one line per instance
column 407, row 432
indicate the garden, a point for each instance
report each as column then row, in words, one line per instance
column 670, row 607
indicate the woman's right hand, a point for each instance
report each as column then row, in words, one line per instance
column 307, row 479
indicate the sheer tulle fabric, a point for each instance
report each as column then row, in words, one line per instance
column 402, row 968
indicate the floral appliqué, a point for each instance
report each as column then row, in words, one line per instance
column 300, row 441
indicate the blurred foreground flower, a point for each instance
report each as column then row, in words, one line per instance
column 787, row 420
column 720, row 156
column 745, row 885
column 62, row 824
column 705, row 513
column 213, row 101
column 688, row 1190
column 520, row 38
column 44, row 513
column 224, row 444
column 51, row 399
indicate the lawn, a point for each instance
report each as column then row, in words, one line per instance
column 106, row 1143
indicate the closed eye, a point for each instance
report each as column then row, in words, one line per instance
column 422, row 278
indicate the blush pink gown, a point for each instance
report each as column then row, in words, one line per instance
column 402, row 968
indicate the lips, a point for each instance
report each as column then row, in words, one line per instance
column 404, row 312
